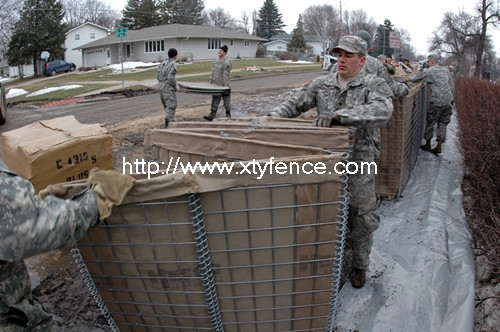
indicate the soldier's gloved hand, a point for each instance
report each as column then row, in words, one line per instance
column 110, row 188
column 57, row 189
column 327, row 120
column 274, row 113
column 177, row 88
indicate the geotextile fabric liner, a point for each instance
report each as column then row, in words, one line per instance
column 222, row 252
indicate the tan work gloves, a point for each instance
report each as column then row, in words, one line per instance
column 327, row 121
column 110, row 188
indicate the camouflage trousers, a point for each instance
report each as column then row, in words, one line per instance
column 169, row 101
column 364, row 216
column 18, row 310
column 440, row 115
column 216, row 101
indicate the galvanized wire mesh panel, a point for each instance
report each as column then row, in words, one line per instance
column 244, row 259
column 401, row 139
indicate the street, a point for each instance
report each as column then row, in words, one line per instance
column 123, row 109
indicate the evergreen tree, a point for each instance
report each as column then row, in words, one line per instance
column 298, row 43
column 40, row 28
column 140, row 14
column 382, row 40
column 269, row 22
column 183, row 11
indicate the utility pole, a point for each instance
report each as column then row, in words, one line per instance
column 341, row 23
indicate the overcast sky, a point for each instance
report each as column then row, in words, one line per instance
column 419, row 18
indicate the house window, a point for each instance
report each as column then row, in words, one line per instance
column 77, row 36
column 214, row 44
column 92, row 35
column 246, row 43
column 154, row 46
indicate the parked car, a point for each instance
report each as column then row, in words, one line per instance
column 58, row 66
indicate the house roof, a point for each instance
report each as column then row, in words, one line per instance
column 173, row 31
column 278, row 41
column 87, row 23
column 288, row 38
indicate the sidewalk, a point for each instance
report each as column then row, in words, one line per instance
column 421, row 274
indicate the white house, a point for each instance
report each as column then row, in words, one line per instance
column 80, row 35
column 314, row 44
column 193, row 42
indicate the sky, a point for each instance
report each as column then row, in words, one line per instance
column 419, row 18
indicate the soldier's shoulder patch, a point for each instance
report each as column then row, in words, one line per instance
column 384, row 89
column 379, row 85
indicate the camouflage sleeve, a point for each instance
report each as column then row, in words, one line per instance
column 399, row 89
column 418, row 77
column 375, row 112
column 227, row 72
column 301, row 101
column 211, row 80
column 30, row 226
column 172, row 71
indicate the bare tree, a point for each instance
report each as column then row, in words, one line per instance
column 219, row 18
column 356, row 20
column 9, row 15
column 93, row 11
column 255, row 17
column 322, row 21
column 406, row 50
column 456, row 36
column 245, row 21
column 489, row 14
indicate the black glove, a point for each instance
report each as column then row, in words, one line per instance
column 327, row 120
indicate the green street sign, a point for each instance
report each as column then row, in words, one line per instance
column 121, row 32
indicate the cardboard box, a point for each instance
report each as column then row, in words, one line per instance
column 57, row 150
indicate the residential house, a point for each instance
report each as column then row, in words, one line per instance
column 81, row 35
column 279, row 43
column 193, row 42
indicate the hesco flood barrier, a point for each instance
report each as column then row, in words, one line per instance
column 401, row 139
column 224, row 252
column 217, row 251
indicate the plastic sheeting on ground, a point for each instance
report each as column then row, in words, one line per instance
column 421, row 275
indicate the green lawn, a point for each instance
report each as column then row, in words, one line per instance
column 97, row 79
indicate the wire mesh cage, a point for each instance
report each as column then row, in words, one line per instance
column 401, row 139
column 223, row 252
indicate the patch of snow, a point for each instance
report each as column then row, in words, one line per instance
column 52, row 89
column 15, row 92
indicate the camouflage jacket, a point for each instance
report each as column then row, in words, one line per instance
column 166, row 74
column 438, row 79
column 30, row 226
column 366, row 104
column 220, row 72
column 377, row 68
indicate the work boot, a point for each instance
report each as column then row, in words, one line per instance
column 211, row 116
column 166, row 123
column 228, row 115
column 437, row 149
column 358, row 277
column 427, row 145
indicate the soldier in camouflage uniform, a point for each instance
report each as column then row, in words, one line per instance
column 441, row 101
column 375, row 67
column 351, row 97
column 31, row 225
column 221, row 68
column 167, row 84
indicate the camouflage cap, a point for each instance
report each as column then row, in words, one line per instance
column 351, row 44
column 433, row 57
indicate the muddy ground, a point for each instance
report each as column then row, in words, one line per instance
column 58, row 284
